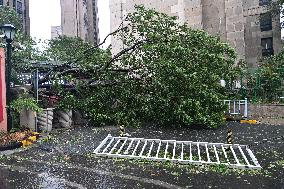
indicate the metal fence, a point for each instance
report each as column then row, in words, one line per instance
column 265, row 85
column 184, row 152
column 237, row 107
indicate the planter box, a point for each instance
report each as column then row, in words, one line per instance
column 45, row 119
column 78, row 119
column 28, row 119
column 63, row 119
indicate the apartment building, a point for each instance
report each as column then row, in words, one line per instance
column 22, row 8
column 56, row 31
column 244, row 24
column 79, row 18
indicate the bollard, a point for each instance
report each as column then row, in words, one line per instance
column 229, row 138
column 121, row 131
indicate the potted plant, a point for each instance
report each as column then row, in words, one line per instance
column 46, row 116
column 64, row 111
column 27, row 109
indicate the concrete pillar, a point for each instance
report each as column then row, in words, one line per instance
column 3, row 116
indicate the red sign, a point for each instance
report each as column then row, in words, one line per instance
column 1, row 93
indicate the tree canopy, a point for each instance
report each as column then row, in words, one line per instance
column 9, row 16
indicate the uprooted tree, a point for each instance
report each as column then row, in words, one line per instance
column 167, row 74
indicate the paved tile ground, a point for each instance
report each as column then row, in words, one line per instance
column 66, row 161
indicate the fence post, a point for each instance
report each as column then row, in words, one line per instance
column 121, row 131
column 246, row 108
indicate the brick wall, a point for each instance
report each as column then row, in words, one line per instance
column 261, row 111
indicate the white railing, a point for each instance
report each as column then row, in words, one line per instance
column 237, row 107
column 184, row 152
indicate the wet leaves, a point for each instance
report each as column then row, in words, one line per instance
column 78, row 155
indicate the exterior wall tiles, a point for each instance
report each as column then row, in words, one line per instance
column 79, row 19
column 235, row 21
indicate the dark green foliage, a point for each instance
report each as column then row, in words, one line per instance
column 9, row 16
column 25, row 103
column 266, row 83
column 66, row 48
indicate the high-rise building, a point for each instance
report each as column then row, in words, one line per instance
column 22, row 8
column 79, row 18
column 245, row 24
column 55, row 31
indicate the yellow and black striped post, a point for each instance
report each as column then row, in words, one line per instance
column 121, row 131
column 229, row 137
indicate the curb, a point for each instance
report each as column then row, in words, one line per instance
column 23, row 143
column 249, row 121
column 241, row 120
column 10, row 146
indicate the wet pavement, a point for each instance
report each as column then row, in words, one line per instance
column 66, row 161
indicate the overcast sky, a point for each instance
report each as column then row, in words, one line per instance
column 47, row 13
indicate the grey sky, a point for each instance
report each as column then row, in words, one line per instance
column 104, row 19
column 44, row 14
column 47, row 13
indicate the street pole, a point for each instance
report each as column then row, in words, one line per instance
column 8, row 84
column 8, row 31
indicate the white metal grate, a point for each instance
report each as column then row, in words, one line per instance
column 185, row 152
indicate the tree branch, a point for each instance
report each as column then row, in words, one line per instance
column 120, row 28
column 118, row 55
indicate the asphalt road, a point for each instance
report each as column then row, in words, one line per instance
column 66, row 161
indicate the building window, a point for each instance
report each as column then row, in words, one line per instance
column 19, row 7
column 14, row 3
column 267, row 46
column 86, row 22
column 1, row 2
column 265, row 22
column 264, row 2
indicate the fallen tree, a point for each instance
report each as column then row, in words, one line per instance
column 167, row 74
